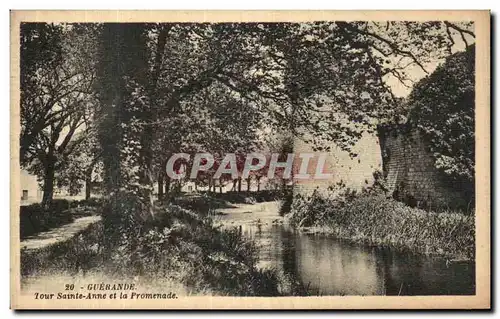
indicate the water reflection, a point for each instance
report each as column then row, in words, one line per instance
column 331, row 267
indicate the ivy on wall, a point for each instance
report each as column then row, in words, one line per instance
column 443, row 110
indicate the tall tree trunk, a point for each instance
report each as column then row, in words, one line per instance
column 48, row 185
column 161, row 178
column 239, row 184
column 88, row 184
column 248, row 184
column 220, row 186
column 122, row 69
column 48, row 178
column 167, row 184
column 146, row 156
column 160, row 186
column 146, row 166
column 233, row 189
column 88, row 176
column 258, row 183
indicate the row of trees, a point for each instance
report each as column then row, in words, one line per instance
column 121, row 98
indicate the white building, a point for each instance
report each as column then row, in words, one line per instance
column 30, row 190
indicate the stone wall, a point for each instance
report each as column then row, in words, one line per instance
column 355, row 173
column 410, row 173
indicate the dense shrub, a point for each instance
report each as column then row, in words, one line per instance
column 179, row 245
column 91, row 202
column 185, row 246
column 377, row 220
column 60, row 204
column 34, row 219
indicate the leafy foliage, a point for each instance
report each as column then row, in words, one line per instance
column 167, row 78
column 142, row 91
column 83, row 165
column 124, row 106
column 34, row 218
column 443, row 109
column 56, row 99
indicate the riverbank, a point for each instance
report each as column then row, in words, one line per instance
column 183, row 249
column 379, row 221
column 308, row 263
column 261, row 223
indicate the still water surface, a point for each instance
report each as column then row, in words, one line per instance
column 328, row 266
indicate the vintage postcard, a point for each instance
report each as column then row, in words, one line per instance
column 250, row 160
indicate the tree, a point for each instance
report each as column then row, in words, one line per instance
column 41, row 54
column 214, row 120
column 56, row 100
column 185, row 71
column 124, row 109
column 295, row 73
column 299, row 73
column 82, row 165
column 320, row 81
column 231, row 126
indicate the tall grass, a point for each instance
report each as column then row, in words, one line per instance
column 178, row 246
column 377, row 220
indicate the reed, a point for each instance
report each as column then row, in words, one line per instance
column 381, row 221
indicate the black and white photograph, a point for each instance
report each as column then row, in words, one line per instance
column 158, row 162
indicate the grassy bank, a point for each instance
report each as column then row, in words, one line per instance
column 377, row 220
column 35, row 219
column 180, row 247
column 246, row 197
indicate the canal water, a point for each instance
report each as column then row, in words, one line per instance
column 328, row 266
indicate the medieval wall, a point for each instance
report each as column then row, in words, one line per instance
column 356, row 173
column 410, row 172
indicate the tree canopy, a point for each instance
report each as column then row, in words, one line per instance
column 146, row 90
column 443, row 109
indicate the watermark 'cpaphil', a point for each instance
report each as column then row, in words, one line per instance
column 292, row 166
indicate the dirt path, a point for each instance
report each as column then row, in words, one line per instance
column 59, row 234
